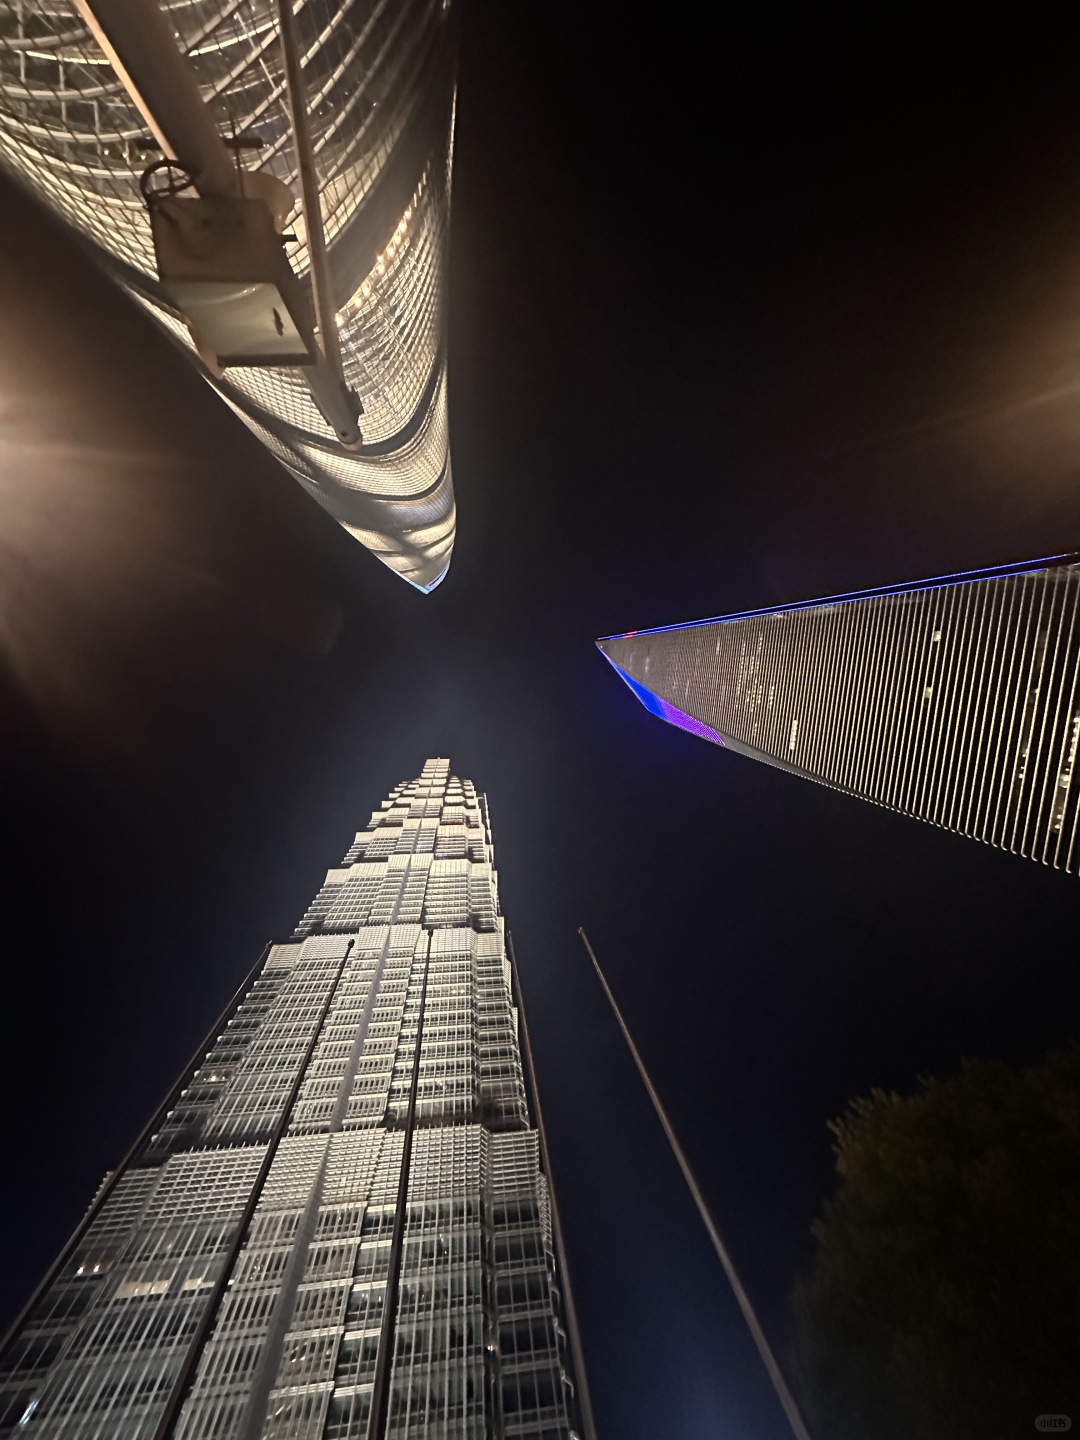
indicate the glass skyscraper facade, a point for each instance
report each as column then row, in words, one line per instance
column 955, row 700
column 379, row 86
column 340, row 1224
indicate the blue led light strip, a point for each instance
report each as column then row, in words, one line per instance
column 962, row 577
column 664, row 708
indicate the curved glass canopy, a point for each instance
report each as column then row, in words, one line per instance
column 378, row 81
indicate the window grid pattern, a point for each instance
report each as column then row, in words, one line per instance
column 138, row 1284
column 956, row 703
column 379, row 79
column 311, row 1078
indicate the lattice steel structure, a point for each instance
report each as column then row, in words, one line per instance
column 340, row 1224
column 954, row 700
column 379, row 83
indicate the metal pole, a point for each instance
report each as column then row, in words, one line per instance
column 319, row 272
column 584, row 1400
column 139, row 44
column 776, row 1375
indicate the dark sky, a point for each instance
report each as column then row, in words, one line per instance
column 741, row 312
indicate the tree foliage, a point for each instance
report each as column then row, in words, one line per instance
column 943, row 1302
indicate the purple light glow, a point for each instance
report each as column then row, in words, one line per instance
column 663, row 708
column 674, row 716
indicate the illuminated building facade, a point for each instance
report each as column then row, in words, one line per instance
column 339, row 1224
column 955, row 700
column 378, row 84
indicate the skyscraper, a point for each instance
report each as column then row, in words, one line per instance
column 93, row 93
column 339, row 1225
column 955, row 700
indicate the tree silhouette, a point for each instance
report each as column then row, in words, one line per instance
column 943, row 1302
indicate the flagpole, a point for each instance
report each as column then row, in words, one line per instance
column 769, row 1360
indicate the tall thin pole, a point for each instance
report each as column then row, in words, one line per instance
column 310, row 199
column 776, row 1375
column 141, row 47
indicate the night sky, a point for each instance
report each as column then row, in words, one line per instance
column 741, row 312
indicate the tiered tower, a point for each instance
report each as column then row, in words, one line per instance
column 954, row 700
column 340, row 1225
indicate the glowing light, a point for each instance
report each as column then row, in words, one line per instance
column 938, row 582
column 664, row 710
